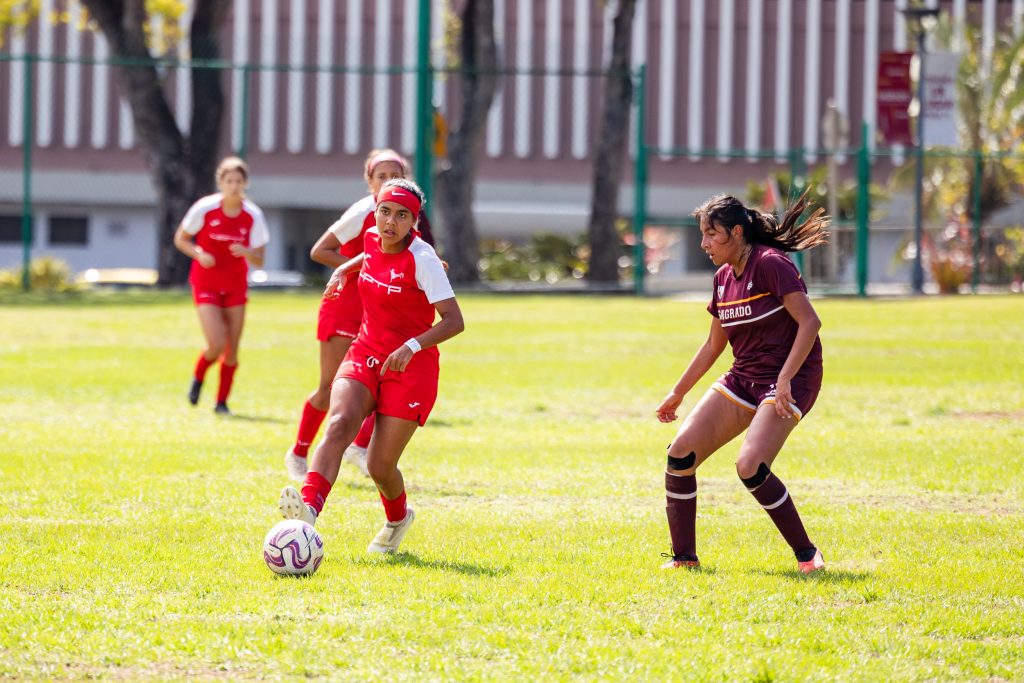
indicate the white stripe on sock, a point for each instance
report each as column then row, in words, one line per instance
column 777, row 503
column 681, row 496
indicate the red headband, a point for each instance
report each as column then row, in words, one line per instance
column 400, row 195
column 381, row 158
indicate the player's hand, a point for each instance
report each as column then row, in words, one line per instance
column 206, row 259
column 784, row 399
column 237, row 249
column 667, row 410
column 334, row 285
column 398, row 360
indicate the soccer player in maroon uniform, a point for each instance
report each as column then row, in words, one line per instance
column 341, row 311
column 391, row 367
column 223, row 234
column 759, row 306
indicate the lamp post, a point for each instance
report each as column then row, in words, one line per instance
column 919, row 20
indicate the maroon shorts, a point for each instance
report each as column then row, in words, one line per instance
column 750, row 395
column 221, row 299
column 406, row 395
column 340, row 316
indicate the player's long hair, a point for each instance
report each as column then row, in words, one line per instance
column 765, row 228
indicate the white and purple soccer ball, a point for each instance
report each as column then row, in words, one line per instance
column 293, row 547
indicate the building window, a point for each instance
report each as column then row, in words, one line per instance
column 69, row 230
column 10, row 230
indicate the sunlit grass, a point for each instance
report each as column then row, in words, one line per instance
column 131, row 522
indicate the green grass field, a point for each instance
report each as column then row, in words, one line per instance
column 131, row 523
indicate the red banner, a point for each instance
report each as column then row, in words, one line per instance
column 894, row 96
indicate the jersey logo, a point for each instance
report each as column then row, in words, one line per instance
column 391, row 289
column 413, row 405
column 372, row 362
column 721, row 291
column 750, row 286
column 215, row 222
column 396, row 275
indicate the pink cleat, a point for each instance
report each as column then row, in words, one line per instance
column 816, row 563
column 680, row 562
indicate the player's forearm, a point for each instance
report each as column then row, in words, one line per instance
column 806, row 333
column 698, row 367
column 450, row 325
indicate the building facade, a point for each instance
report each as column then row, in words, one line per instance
column 734, row 89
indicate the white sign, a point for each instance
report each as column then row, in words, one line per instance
column 940, row 99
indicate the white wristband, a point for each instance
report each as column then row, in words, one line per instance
column 413, row 344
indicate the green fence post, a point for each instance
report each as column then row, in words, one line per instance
column 798, row 176
column 243, row 113
column 640, row 185
column 976, row 221
column 424, row 166
column 863, row 210
column 28, row 139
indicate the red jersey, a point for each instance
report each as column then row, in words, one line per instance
column 214, row 232
column 349, row 229
column 399, row 292
column 759, row 328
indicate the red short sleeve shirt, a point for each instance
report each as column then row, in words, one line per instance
column 398, row 293
column 214, row 232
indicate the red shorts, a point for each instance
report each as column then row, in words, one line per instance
column 340, row 316
column 750, row 395
column 406, row 395
column 221, row 299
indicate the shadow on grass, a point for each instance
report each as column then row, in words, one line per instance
column 829, row 575
column 406, row 559
column 254, row 418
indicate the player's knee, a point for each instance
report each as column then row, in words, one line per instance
column 341, row 428
column 752, row 473
column 680, row 459
column 379, row 470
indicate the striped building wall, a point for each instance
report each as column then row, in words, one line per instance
column 724, row 75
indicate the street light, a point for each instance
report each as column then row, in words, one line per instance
column 920, row 19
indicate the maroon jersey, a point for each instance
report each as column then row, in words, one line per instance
column 760, row 330
column 399, row 292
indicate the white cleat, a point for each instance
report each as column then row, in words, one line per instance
column 296, row 466
column 389, row 538
column 356, row 455
column 292, row 506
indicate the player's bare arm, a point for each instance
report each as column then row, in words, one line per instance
column 799, row 307
column 338, row 277
column 702, row 361
column 450, row 324
column 183, row 242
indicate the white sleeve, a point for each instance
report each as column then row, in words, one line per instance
column 430, row 275
column 348, row 227
column 260, row 234
column 196, row 215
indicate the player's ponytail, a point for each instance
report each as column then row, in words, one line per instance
column 763, row 228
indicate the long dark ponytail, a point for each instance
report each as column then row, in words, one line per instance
column 764, row 228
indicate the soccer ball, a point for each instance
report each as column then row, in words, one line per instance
column 293, row 547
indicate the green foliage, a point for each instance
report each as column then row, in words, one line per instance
column 132, row 521
column 545, row 257
column 817, row 180
column 46, row 275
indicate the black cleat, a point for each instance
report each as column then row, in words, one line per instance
column 222, row 408
column 193, row 392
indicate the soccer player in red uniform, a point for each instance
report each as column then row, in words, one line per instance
column 759, row 306
column 223, row 234
column 341, row 311
column 392, row 366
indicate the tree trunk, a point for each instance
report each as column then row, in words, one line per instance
column 456, row 180
column 605, row 245
column 181, row 168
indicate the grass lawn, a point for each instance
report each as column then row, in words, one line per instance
column 131, row 523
